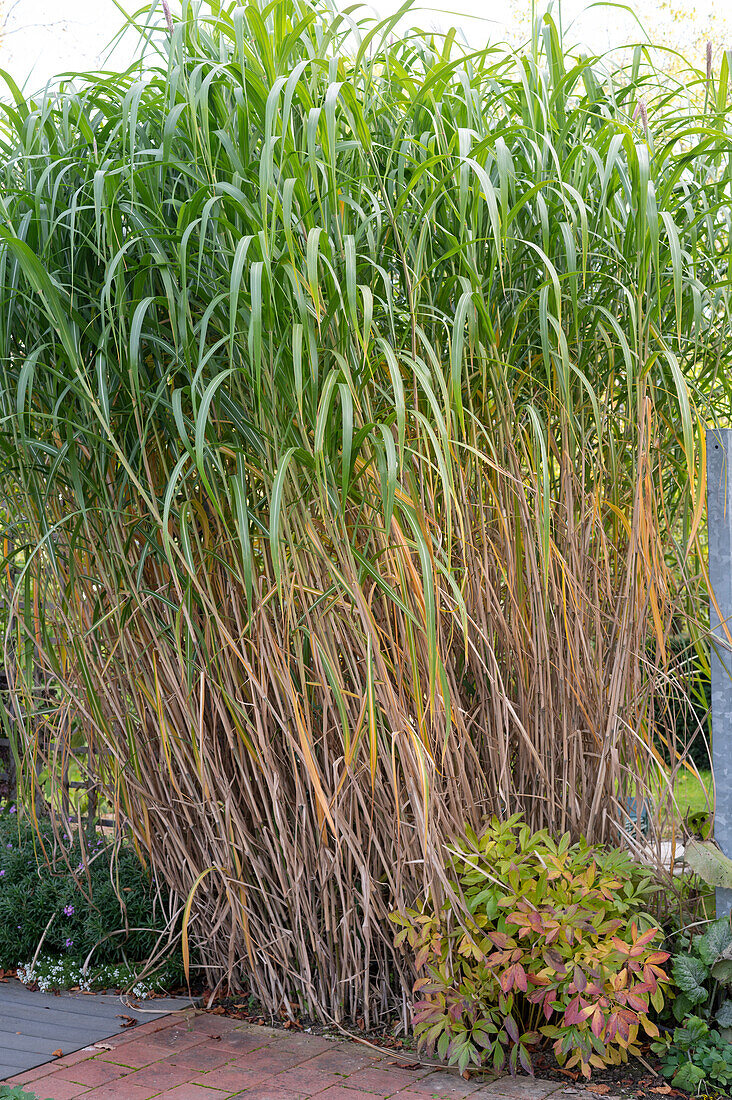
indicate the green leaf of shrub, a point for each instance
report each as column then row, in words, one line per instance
column 681, row 1008
column 693, row 1034
column 722, row 968
column 688, row 1077
column 715, row 940
column 690, row 974
column 709, row 863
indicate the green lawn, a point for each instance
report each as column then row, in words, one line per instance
column 690, row 793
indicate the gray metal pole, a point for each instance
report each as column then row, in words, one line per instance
column 719, row 519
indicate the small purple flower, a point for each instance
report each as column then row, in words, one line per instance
column 69, row 943
column 12, row 809
column 2, row 873
column 8, row 846
column 68, row 910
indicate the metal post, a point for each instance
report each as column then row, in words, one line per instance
column 719, row 520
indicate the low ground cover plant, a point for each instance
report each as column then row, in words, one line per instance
column 99, row 904
column 695, row 1055
column 51, row 973
column 559, row 946
column 702, row 970
column 699, row 1050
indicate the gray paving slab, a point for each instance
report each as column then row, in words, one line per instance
column 34, row 1025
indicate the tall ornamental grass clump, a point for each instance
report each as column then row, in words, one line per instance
column 350, row 434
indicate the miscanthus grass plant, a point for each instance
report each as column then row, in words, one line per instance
column 351, row 389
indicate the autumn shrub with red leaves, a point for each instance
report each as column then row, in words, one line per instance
column 541, row 941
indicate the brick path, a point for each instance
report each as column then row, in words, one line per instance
column 197, row 1056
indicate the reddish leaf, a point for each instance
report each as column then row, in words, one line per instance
column 515, row 975
column 646, row 937
column 572, row 1012
column 554, row 960
column 421, row 958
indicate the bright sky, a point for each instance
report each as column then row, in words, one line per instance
column 45, row 37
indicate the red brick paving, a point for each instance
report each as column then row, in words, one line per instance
column 61, row 1090
column 119, row 1090
column 165, row 1077
column 195, row 1092
column 197, row 1056
column 91, row 1073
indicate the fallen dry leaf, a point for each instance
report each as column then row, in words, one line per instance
column 404, row 1065
column 602, row 1089
column 665, row 1089
column 56, row 1053
column 129, row 1021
